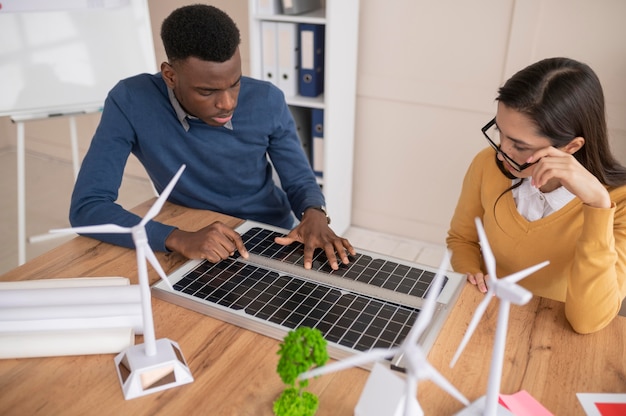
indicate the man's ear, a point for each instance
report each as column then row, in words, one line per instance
column 168, row 73
column 575, row 145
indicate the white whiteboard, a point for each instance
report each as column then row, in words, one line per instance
column 63, row 56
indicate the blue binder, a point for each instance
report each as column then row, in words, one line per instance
column 311, row 80
column 317, row 134
column 302, row 117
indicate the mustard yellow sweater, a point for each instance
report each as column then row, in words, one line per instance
column 586, row 246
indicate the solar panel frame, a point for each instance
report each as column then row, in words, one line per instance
column 343, row 312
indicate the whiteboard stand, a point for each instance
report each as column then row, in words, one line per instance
column 21, row 184
column 74, row 143
column 68, row 72
column 21, row 200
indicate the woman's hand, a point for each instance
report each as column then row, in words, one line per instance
column 555, row 164
column 479, row 280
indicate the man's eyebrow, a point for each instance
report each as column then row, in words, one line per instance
column 219, row 89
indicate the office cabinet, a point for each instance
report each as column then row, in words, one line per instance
column 331, row 154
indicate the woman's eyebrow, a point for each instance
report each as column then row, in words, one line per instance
column 513, row 139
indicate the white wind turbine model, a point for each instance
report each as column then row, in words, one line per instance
column 507, row 290
column 156, row 364
column 417, row 366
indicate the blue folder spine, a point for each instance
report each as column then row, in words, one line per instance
column 311, row 79
column 317, row 135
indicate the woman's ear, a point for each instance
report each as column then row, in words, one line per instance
column 575, row 145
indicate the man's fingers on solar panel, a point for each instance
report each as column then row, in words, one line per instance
column 214, row 243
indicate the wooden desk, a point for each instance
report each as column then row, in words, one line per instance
column 235, row 369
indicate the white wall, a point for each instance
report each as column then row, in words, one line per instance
column 428, row 75
column 51, row 136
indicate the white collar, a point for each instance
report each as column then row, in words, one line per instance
column 533, row 204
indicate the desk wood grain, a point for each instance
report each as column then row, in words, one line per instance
column 544, row 356
column 235, row 369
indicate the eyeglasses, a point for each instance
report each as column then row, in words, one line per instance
column 490, row 129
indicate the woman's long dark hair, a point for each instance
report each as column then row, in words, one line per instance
column 564, row 99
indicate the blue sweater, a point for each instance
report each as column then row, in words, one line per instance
column 227, row 170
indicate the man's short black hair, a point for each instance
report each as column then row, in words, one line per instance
column 201, row 31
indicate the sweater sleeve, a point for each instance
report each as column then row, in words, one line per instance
column 597, row 283
column 462, row 239
column 291, row 163
column 100, row 177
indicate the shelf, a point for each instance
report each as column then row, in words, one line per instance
column 341, row 20
column 310, row 102
column 316, row 17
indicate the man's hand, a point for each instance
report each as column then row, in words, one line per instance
column 314, row 232
column 214, row 242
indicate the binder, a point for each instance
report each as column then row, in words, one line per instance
column 269, row 7
column 311, row 80
column 317, row 134
column 302, row 117
column 268, row 49
column 288, row 48
column 300, row 6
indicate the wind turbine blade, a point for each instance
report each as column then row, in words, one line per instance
column 417, row 408
column 426, row 313
column 411, row 405
column 490, row 260
column 437, row 378
column 513, row 293
column 480, row 310
column 374, row 354
column 92, row 229
column 154, row 209
column 156, row 265
column 517, row 276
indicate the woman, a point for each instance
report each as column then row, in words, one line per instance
column 548, row 188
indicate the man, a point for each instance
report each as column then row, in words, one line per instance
column 200, row 111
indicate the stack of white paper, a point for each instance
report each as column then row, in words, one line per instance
column 74, row 316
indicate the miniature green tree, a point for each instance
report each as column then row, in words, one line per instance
column 300, row 350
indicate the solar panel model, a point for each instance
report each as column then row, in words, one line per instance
column 371, row 302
